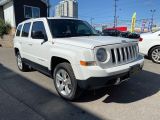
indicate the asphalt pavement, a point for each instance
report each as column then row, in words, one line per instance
column 32, row 96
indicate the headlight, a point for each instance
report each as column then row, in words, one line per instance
column 101, row 55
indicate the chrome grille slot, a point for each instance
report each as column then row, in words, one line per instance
column 123, row 54
column 134, row 51
column 118, row 55
column 131, row 52
column 113, row 56
column 127, row 52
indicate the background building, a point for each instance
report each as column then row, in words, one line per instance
column 16, row 11
column 67, row 8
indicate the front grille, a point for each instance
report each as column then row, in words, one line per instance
column 120, row 55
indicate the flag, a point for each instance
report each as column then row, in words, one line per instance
column 133, row 24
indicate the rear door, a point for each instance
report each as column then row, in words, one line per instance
column 26, row 40
column 17, row 38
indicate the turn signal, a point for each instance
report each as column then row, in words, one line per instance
column 84, row 63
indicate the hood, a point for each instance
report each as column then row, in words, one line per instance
column 93, row 41
column 150, row 34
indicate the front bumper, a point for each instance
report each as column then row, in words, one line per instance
column 97, row 82
column 97, row 77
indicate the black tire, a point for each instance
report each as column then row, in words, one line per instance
column 152, row 52
column 75, row 91
column 23, row 67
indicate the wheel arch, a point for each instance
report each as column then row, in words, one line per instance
column 149, row 51
column 16, row 50
column 55, row 60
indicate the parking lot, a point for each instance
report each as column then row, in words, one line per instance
column 32, row 96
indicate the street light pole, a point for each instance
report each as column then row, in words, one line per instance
column 152, row 18
column 115, row 12
column 116, row 21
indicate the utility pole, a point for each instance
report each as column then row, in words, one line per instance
column 115, row 13
column 152, row 18
column 48, row 7
column 116, row 21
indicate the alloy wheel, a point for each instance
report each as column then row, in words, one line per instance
column 63, row 82
column 19, row 62
column 156, row 55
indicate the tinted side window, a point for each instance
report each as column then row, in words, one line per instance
column 38, row 30
column 26, row 28
column 19, row 30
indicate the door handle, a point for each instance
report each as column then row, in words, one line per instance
column 30, row 44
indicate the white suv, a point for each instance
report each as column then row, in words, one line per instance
column 71, row 51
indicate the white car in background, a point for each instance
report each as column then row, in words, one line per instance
column 149, row 45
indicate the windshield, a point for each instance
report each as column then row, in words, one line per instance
column 70, row 28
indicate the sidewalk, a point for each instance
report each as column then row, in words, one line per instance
column 6, row 41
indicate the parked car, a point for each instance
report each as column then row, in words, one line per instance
column 117, row 33
column 111, row 32
column 149, row 45
column 130, row 35
column 74, row 55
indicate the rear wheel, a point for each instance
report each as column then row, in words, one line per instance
column 155, row 54
column 21, row 66
column 65, row 82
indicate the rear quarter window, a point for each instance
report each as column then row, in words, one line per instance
column 19, row 28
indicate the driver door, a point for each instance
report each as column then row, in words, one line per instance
column 40, row 44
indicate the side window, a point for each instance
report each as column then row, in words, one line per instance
column 19, row 30
column 38, row 30
column 27, row 12
column 26, row 28
column 35, row 12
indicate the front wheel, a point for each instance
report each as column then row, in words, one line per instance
column 155, row 54
column 65, row 82
column 21, row 66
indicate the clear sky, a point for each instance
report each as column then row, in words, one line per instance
column 103, row 10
